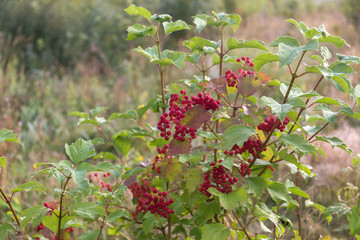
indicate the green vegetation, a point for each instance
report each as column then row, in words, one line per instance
column 63, row 61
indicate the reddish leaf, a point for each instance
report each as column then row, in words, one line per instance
column 228, row 123
column 173, row 169
column 248, row 85
column 219, row 84
column 264, row 79
column 196, row 116
column 178, row 147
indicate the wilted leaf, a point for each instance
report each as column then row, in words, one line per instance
column 196, row 116
column 248, row 85
column 178, row 147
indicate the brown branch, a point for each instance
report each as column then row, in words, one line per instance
column 109, row 142
column 241, row 225
column 61, row 206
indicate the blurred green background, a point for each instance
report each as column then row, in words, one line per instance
column 57, row 57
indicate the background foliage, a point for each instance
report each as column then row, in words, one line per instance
column 64, row 56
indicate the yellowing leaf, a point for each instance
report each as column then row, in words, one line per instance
column 268, row 153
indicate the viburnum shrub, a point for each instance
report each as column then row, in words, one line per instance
column 221, row 140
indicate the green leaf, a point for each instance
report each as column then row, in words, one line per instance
column 339, row 209
column 311, row 33
column 134, row 10
column 336, row 40
column 280, row 110
column 288, row 53
column 7, row 135
column 36, row 214
column 339, row 67
column 325, row 53
column 335, row 142
column 161, row 17
column 297, row 191
column 262, row 212
column 193, row 178
column 255, row 185
column 29, row 186
column 216, row 231
column 149, row 222
column 200, row 21
column 233, row 43
column 356, row 94
column 89, row 210
column 298, row 142
column 327, row 100
column 234, row 20
column 354, row 220
column 278, row 192
column 208, row 209
column 290, row 41
column 79, row 179
column 178, row 25
column 237, row 134
column 94, row 112
column 263, row 59
column 301, row 26
column 129, row 114
column 80, row 150
column 51, row 222
column 220, row 19
column 5, row 229
column 309, row 203
column 150, row 52
column 131, row 172
column 292, row 159
column 347, row 59
column 122, row 141
column 198, row 43
column 232, row 200
column 3, row 162
column 118, row 214
column 329, row 115
column 90, row 235
column 138, row 30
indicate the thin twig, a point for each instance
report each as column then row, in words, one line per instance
column 241, row 225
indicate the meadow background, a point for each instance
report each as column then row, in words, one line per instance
column 57, row 57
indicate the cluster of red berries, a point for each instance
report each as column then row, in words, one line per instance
column 138, row 190
column 98, row 179
column 269, row 122
column 40, row 227
column 177, row 109
column 51, row 205
column 252, row 145
column 157, row 159
column 158, row 203
column 244, row 168
column 232, row 77
column 218, row 178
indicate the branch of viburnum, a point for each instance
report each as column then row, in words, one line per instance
column 109, row 142
column 8, row 202
column 241, row 225
column 293, row 78
column 221, row 56
column 212, row 130
column 161, row 68
column 61, row 206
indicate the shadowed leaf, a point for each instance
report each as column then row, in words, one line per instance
column 178, row 147
column 196, row 116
